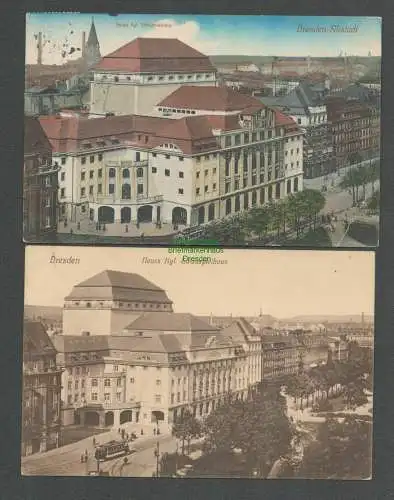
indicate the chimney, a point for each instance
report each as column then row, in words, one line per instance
column 39, row 48
column 83, row 43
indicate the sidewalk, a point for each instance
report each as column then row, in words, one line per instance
column 129, row 230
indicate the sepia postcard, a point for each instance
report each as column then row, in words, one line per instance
column 149, row 128
column 190, row 362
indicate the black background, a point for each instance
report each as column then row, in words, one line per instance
column 12, row 485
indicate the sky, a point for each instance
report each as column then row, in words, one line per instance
column 281, row 283
column 210, row 34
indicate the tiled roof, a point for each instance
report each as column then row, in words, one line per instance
column 282, row 119
column 36, row 340
column 74, row 343
column 211, row 99
column 117, row 285
column 35, row 139
column 144, row 55
column 167, row 321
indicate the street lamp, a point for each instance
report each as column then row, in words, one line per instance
column 157, row 455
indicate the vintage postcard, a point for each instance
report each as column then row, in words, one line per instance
column 162, row 362
column 145, row 128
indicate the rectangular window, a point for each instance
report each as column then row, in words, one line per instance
column 197, row 191
column 91, row 173
column 172, row 398
column 132, row 380
column 167, row 157
column 157, row 398
column 167, row 172
column 62, row 176
column 180, row 158
column 100, row 157
column 214, row 186
column 100, row 172
column 180, row 191
column 206, row 189
column 111, row 189
column 107, row 396
column 140, row 188
column 94, row 382
column 83, row 192
column 178, row 397
column 181, row 175
column 90, row 189
column 63, row 160
column 83, row 160
column 82, row 176
column 91, row 159
column 154, row 170
column 99, row 188
column 62, row 192
column 69, row 385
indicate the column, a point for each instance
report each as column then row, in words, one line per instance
column 102, row 419
column 117, row 418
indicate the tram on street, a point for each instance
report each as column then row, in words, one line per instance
column 112, row 449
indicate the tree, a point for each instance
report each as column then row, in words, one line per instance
column 342, row 450
column 186, row 428
column 314, row 202
column 259, row 427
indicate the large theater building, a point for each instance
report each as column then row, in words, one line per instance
column 138, row 75
column 154, row 363
column 207, row 153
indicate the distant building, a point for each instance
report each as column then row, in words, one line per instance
column 354, row 117
column 41, row 423
column 40, row 183
column 91, row 52
column 282, row 356
column 137, row 76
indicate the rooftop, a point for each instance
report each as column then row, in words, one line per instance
column 36, row 340
column 118, row 285
column 35, row 140
column 168, row 321
column 211, row 99
column 146, row 55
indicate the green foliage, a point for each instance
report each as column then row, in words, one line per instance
column 259, row 427
column 342, row 450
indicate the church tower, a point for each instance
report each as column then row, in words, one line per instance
column 92, row 54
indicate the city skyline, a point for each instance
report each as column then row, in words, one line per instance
column 291, row 36
column 310, row 286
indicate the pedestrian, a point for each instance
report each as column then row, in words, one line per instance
column 126, row 229
column 123, row 433
column 82, row 458
column 97, row 226
column 94, row 442
column 78, row 226
column 138, row 225
column 86, row 455
column 142, row 236
column 104, row 227
column 118, row 430
column 71, row 231
column 65, row 222
column 127, row 436
column 154, row 431
column 142, row 432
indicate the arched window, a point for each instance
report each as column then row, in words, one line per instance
column 288, row 188
column 112, row 172
column 140, row 172
column 211, row 211
column 126, row 192
column 277, row 191
column 126, row 173
column 296, row 184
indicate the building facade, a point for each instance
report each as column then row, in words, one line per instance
column 40, row 183
column 354, row 117
column 306, row 106
column 155, row 367
column 41, row 421
column 209, row 152
column 137, row 76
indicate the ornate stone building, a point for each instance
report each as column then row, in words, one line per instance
column 41, row 422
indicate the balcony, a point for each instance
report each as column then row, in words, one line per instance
column 141, row 198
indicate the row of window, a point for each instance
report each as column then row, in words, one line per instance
column 94, row 383
column 178, row 397
column 235, row 140
column 159, row 78
column 292, row 152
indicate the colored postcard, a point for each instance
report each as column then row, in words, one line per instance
column 144, row 128
column 167, row 362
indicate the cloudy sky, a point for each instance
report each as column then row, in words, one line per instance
column 282, row 283
column 211, row 34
